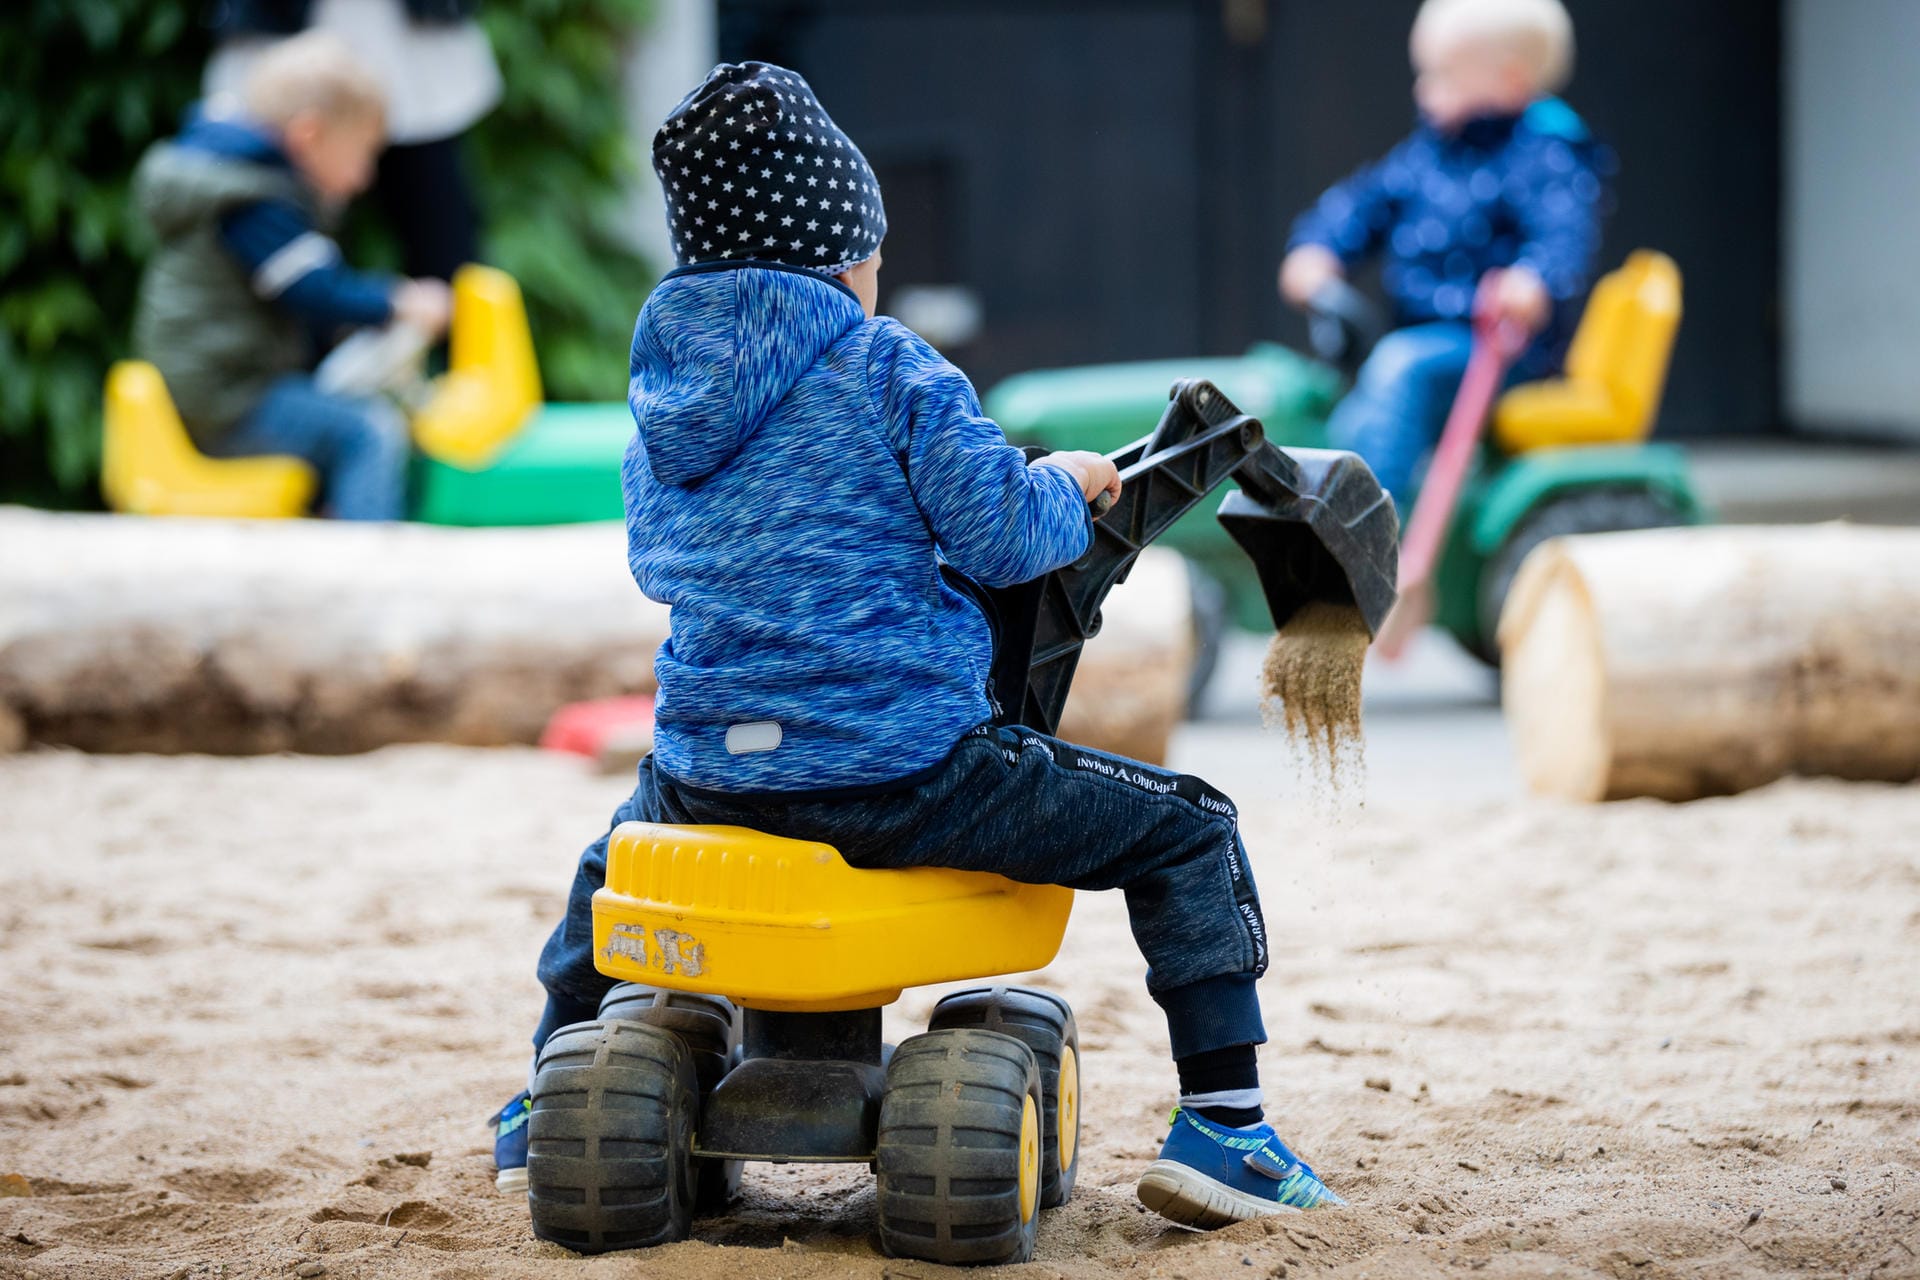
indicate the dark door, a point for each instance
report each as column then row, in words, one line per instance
column 1113, row 179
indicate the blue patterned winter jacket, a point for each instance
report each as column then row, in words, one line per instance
column 799, row 473
column 1443, row 209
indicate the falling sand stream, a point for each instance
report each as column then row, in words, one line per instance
column 1310, row 685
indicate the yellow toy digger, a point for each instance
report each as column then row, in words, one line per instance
column 754, row 968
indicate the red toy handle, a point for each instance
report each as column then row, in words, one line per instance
column 1496, row 344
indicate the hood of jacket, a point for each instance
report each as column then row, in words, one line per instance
column 716, row 350
column 213, row 164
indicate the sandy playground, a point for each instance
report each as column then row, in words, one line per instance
column 256, row 1010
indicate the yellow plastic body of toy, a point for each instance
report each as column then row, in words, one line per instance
column 787, row 925
column 492, row 383
column 1616, row 367
column 150, row 467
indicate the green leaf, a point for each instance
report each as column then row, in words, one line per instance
column 98, row 20
column 164, row 24
column 44, row 315
column 16, row 389
column 72, row 397
column 13, row 244
column 134, row 117
column 40, row 196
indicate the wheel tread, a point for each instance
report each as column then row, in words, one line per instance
column 609, row 1161
column 948, row 1156
column 1044, row 1023
column 710, row 1027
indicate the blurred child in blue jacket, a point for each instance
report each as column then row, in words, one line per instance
column 1497, row 176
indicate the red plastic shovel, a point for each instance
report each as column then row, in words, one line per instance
column 1496, row 344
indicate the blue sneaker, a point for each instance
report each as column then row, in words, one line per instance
column 1209, row 1175
column 510, row 1145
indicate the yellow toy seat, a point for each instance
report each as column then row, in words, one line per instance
column 492, row 383
column 149, row 466
column 787, row 925
column 1616, row 367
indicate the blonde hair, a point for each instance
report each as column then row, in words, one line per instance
column 1536, row 33
column 316, row 72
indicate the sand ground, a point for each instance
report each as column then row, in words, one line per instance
column 253, row 1013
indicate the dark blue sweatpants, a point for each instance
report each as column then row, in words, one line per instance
column 1029, row 807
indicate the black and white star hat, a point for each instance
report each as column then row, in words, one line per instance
column 753, row 167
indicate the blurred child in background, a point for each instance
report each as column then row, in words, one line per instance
column 1498, row 177
column 244, row 277
column 439, row 75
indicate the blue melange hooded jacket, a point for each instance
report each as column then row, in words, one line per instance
column 799, row 473
column 1443, row 209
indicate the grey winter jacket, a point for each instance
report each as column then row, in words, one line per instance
column 218, row 343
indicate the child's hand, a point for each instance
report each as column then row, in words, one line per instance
column 1095, row 472
column 424, row 304
column 1519, row 297
column 1305, row 270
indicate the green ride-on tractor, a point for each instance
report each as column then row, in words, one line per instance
column 1564, row 456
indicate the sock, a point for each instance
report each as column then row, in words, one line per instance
column 1222, row 1085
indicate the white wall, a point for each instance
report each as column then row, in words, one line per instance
column 1851, row 222
column 673, row 55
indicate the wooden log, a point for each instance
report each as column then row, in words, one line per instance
column 1680, row 663
column 235, row 637
column 1130, row 688
column 125, row 634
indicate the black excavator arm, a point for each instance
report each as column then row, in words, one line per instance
column 1315, row 522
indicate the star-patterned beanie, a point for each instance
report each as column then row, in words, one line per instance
column 753, row 168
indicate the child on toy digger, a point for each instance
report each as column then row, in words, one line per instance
column 243, row 276
column 808, row 486
column 1498, row 176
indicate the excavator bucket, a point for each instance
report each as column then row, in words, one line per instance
column 1315, row 522
column 1317, row 527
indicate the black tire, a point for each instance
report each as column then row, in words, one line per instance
column 710, row 1028
column 610, row 1140
column 710, row 1025
column 1582, row 511
column 1209, row 604
column 959, row 1149
column 1044, row 1023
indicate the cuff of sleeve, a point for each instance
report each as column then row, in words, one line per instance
column 1213, row 1013
column 1562, row 285
column 1081, row 504
column 381, row 299
column 1318, row 240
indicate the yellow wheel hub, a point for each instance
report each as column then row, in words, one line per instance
column 1029, row 1160
column 1067, row 1112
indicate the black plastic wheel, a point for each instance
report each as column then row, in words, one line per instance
column 710, row 1025
column 1044, row 1023
column 710, row 1028
column 958, row 1156
column 610, row 1140
column 1581, row 511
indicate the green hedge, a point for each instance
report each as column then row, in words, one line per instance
column 87, row 85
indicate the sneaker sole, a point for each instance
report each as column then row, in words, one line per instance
column 512, row 1182
column 1192, row 1199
